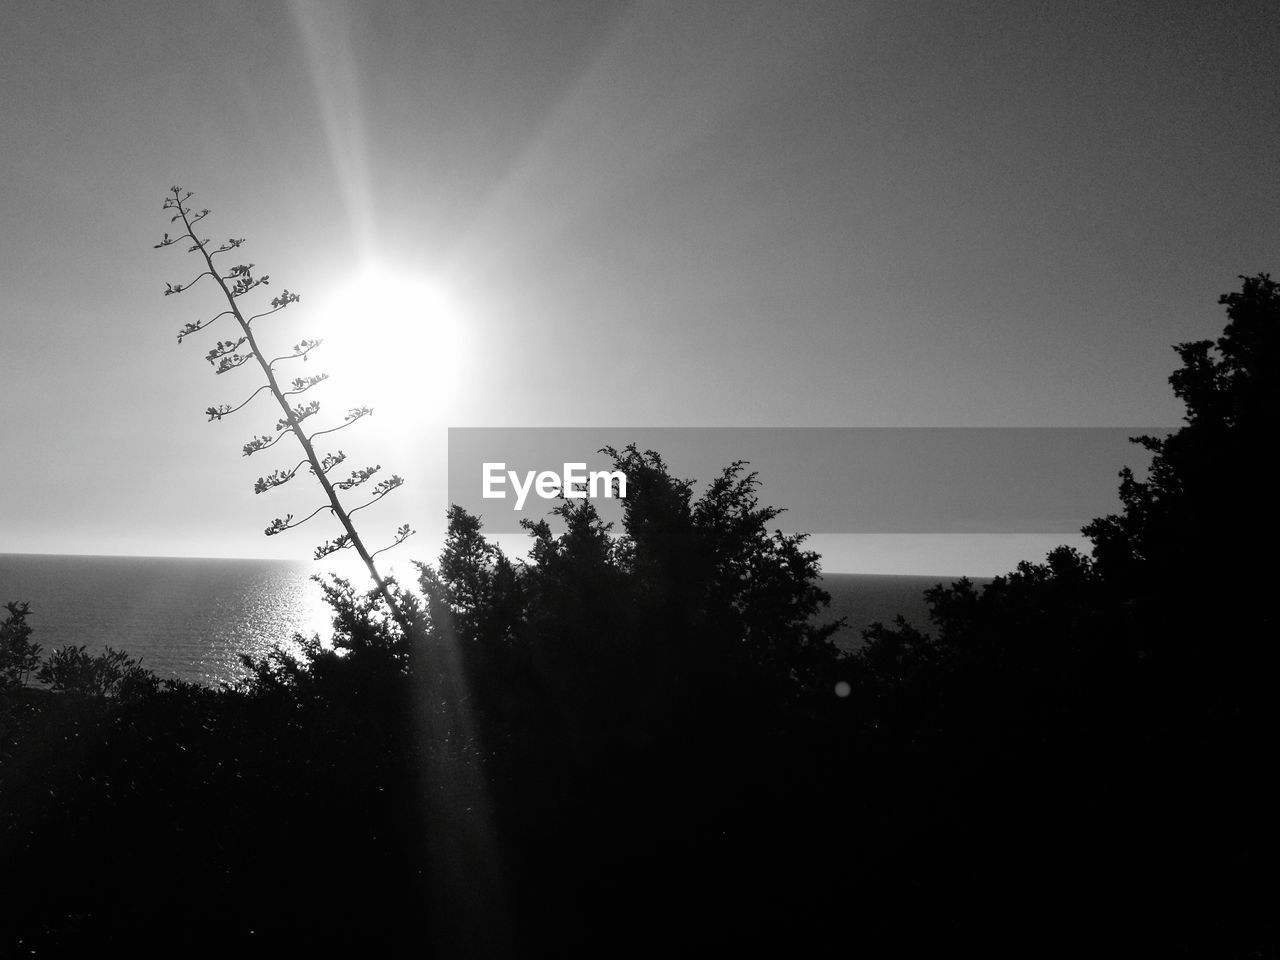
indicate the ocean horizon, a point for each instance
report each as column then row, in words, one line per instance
column 191, row 618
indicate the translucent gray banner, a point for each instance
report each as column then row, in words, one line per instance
column 829, row 479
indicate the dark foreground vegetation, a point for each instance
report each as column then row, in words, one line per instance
column 637, row 743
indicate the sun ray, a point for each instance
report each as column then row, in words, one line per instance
column 326, row 35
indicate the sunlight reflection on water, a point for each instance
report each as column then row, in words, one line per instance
column 184, row 618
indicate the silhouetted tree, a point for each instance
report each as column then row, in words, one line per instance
column 1176, row 576
column 1125, row 699
column 1189, row 549
column 641, row 693
column 697, row 595
column 19, row 656
column 112, row 673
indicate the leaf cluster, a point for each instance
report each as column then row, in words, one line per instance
column 19, row 655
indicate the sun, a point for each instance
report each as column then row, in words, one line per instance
column 393, row 341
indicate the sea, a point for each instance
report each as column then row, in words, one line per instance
column 181, row 617
column 190, row 619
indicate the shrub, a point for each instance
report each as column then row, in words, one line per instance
column 112, row 673
column 19, row 656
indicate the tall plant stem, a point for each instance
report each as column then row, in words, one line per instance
column 335, row 505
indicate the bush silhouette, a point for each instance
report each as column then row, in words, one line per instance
column 1077, row 759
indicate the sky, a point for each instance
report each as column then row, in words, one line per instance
column 566, row 214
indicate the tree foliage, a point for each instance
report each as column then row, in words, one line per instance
column 112, row 673
column 19, row 655
column 1138, row 679
column 697, row 596
column 1176, row 575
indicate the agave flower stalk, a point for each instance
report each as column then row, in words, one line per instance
column 233, row 284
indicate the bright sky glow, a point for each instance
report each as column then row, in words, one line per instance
column 661, row 213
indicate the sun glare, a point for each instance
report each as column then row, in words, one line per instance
column 393, row 342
